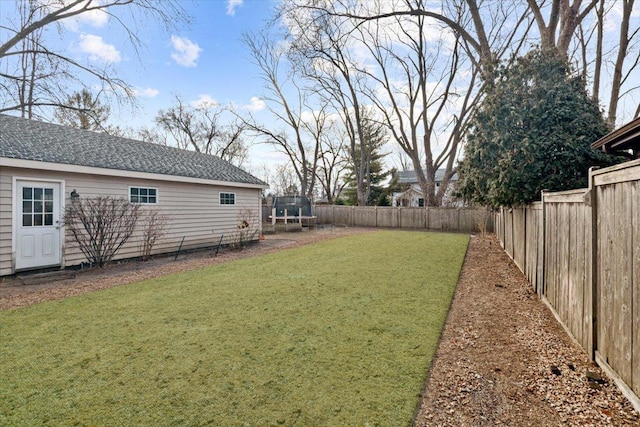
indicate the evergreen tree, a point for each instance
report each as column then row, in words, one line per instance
column 375, row 137
column 532, row 131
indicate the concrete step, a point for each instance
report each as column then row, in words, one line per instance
column 49, row 276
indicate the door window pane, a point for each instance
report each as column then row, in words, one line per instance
column 37, row 206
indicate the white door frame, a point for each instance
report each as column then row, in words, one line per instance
column 16, row 201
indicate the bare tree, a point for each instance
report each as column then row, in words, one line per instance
column 201, row 129
column 333, row 164
column 424, row 87
column 563, row 20
column 619, row 76
column 285, row 180
column 598, row 54
column 322, row 50
column 34, row 77
column 287, row 101
column 83, row 110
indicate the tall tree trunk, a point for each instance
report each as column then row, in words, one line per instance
column 627, row 8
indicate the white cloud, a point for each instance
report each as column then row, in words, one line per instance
column 98, row 49
column 186, row 52
column 256, row 104
column 232, row 5
column 204, row 101
column 146, row 92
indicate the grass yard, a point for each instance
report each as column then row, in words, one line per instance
column 341, row 332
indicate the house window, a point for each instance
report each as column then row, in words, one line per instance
column 421, row 203
column 143, row 195
column 227, row 198
column 37, row 206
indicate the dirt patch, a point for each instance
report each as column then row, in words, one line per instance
column 502, row 359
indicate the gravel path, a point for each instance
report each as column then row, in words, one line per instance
column 502, row 358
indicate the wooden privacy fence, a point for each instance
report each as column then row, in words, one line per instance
column 466, row 220
column 580, row 250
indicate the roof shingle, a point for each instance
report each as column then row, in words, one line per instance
column 33, row 140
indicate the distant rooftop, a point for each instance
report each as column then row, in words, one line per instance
column 409, row 177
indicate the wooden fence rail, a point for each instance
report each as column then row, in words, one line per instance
column 580, row 250
column 466, row 220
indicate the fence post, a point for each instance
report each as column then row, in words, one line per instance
column 595, row 264
column 542, row 289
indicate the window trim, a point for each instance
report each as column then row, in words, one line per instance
column 226, row 193
column 145, row 188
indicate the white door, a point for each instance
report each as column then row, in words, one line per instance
column 38, row 242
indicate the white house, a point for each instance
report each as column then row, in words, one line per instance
column 412, row 196
column 41, row 164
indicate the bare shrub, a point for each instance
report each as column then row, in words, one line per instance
column 101, row 225
column 153, row 224
column 482, row 220
column 247, row 228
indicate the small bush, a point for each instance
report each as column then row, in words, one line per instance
column 153, row 225
column 101, row 225
column 247, row 228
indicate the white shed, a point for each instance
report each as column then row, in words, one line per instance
column 41, row 164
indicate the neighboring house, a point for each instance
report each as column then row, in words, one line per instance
column 41, row 164
column 412, row 196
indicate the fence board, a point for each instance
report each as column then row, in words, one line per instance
column 635, row 225
column 589, row 265
column 519, row 229
column 412, row 217
column 365, row 216
column 387, row 217
column 508, row 232
column 533, row 225
column 449, row 219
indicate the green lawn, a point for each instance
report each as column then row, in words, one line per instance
column 336, row 333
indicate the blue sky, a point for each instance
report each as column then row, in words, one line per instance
column 203, row 61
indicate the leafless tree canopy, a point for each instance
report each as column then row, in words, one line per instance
column 34, row 77
column 202, row 129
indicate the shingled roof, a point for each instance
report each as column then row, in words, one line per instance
column 33, row 140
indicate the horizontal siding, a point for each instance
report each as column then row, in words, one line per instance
column 5, row 222
column 193, row 209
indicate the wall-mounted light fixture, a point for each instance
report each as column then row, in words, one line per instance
column 74, row 196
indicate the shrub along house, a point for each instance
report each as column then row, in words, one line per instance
column 43, row 165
